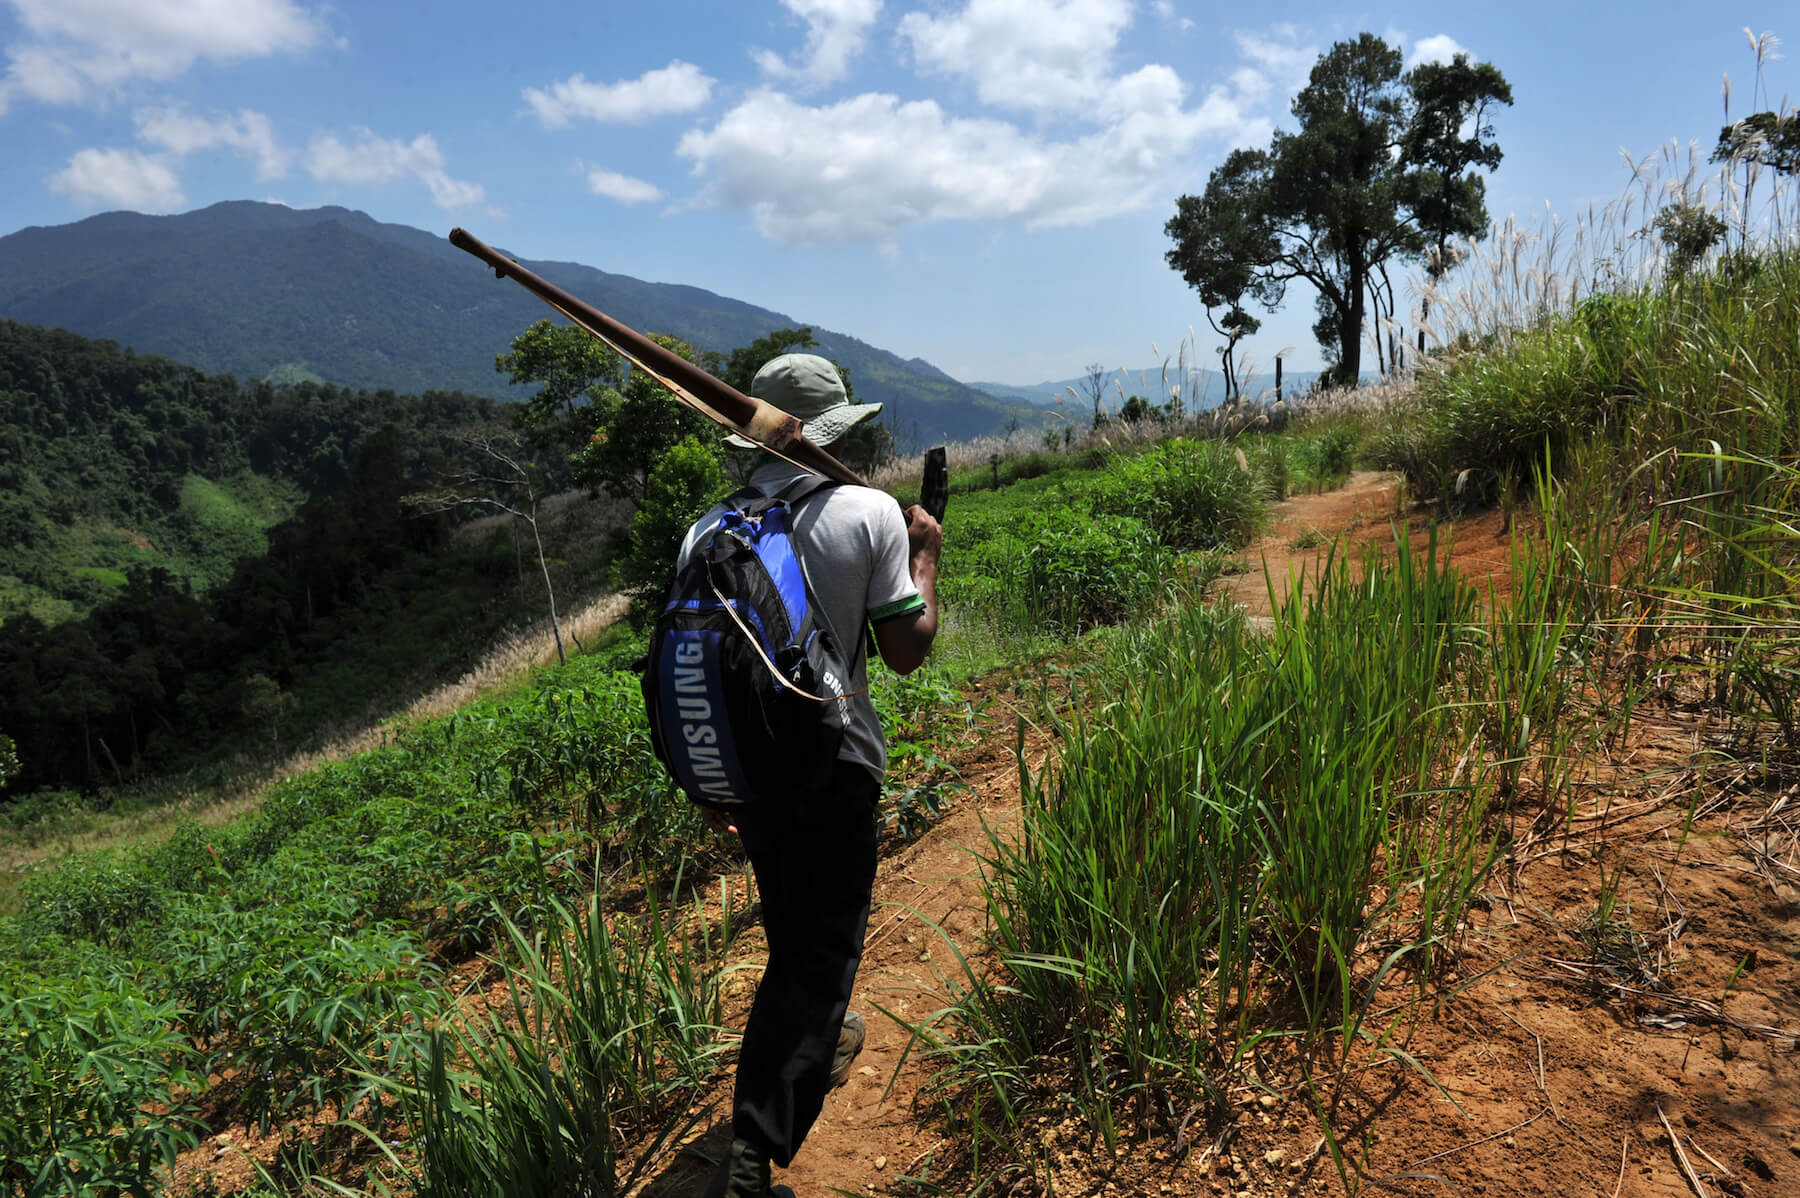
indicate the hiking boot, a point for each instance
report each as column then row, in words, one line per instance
column 850, row 1042
column 744, row 1173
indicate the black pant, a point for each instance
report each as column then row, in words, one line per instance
column 814, row 858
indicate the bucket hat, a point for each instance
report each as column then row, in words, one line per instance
column 808, row 388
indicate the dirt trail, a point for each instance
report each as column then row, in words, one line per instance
column 1547, row 1083
column 1304, row 529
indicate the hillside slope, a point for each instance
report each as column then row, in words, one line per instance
column 111, row 460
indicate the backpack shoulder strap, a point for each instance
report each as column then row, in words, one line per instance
column 800, row 488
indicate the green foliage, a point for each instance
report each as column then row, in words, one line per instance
column 1064, row 577
column 92, row 897
column 1493, row 417
column 611, row 424
column 1323, row 459
column 95, row 1087
column 685, row 483
column 1446, row 134
column 1664, row 371
column 363, row 601
column 573, row 371
column 9, row 759
column 1768, row 139
column 610, row 1023
column 220, row 529
column 287, row 948
column 1688, row 233
column 1230, row 824
column 1193, row 494
column 111, row 461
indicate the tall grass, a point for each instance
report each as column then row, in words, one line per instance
column 1661, row 427
column 608, row 1026
column 1231, row 821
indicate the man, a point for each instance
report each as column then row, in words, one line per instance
column 814, row 854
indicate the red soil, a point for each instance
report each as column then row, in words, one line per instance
column 1552, row 1078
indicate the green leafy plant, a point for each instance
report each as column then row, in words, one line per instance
column 95, row 1087
column 609, row 1023
column 1194, row 494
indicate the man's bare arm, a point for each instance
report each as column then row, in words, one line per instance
column 905, row 640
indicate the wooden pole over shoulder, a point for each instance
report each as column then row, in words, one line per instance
column 763, row 423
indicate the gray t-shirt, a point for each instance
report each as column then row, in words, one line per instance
column 852, row 541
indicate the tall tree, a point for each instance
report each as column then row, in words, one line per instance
column 636, row 426
column 576, row 376
column 1230, row 233
column 1450, row 133
column 1768, row 139
column 739, row 367
column 1333, row 202
column 607, row 426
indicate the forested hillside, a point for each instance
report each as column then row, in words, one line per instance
column 111, row 460
column 189, row 563
column 261, row 290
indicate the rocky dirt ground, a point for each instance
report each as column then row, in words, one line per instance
column 1663, row 1064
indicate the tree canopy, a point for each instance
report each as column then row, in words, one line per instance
column 1768, row 139
column 607, row 425
column 1380, row 169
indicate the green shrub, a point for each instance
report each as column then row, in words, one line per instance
column 95, row 1088
column 1334, row 454
column 687, row 481
column 1069, row 576
column 1193, row 494
column 1271, row 462
column 96, row 897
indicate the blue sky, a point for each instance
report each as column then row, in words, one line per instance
column 980, row 183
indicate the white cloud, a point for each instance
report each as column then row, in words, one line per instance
column 1166, row 10
column 1105, row 140
column 836, row 31
column 375, row 159
column 1053, row 56
column 181, row 133
column 1250, row 83
column 1437, row 48
column 611, row 185
column 1279, row 57
column 678, row 87
column 80, row 50
column 870, row 166
column 119, row 179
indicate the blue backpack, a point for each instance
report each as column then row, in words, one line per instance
column 744, row 682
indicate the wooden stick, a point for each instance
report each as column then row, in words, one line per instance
column 1681, row 1155
column 745, row 415
column 1505, row 1131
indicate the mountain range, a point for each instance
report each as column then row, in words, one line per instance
column 260, row 290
